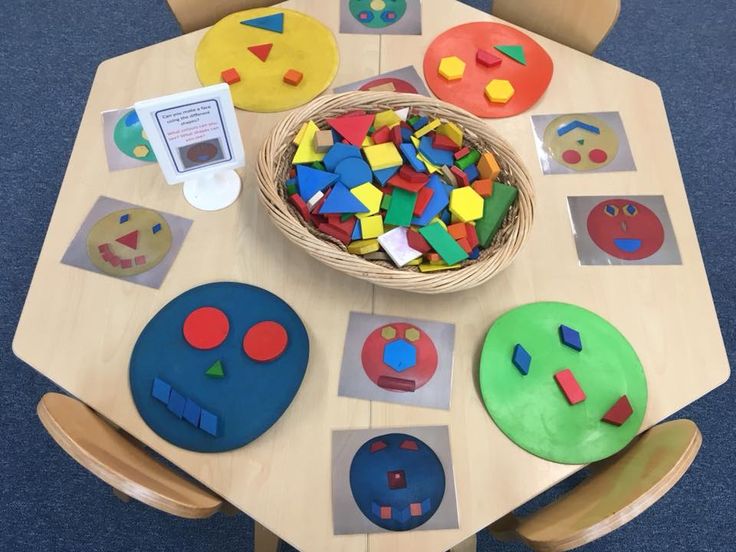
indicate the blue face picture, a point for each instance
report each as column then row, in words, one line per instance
column 397, row 481
column 218, row 366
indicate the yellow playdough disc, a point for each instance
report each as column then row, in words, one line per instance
column 305, row 45
column 581, row 142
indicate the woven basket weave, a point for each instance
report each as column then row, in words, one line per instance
column 274, row 163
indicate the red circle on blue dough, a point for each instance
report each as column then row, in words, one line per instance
column 598, row 156
column 206, row 328
column 571, row 156
column 265, row 341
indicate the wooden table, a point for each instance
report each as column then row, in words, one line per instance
column 78, row 328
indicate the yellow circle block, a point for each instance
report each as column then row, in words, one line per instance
column 452, row 68
column 306, row 45
column 499, row 91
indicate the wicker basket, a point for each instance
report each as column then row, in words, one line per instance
column 274, row 163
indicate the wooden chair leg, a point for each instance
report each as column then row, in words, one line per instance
column 504, row 529
column 468, row 545
column 265, row 540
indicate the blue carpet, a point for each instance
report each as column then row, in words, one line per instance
column 50, row 51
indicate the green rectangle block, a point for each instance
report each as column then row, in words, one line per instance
column 401, row 209
column 385, row 202
column 471, row 159
column 443, row 243
column 494, row 211
column 291, row 189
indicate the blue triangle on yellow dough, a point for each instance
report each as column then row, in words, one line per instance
column 515, row 52
column 273, row 22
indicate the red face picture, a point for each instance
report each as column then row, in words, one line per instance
column 625, row 229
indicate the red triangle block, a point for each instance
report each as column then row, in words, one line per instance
column 261, row 51
column 129, row 240
column 353, row 128
column 619, row 412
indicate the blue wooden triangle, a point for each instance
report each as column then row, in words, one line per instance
column 310, row 181
column 273, row 22
column 384, row 174
column 341, row 200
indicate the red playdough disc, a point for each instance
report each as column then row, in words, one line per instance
column 265, row 341
column 206, row 328
column 530, row 80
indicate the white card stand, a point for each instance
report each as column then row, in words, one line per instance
column 213, row 191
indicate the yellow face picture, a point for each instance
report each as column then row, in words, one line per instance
column 581, row 142
column 129, row 241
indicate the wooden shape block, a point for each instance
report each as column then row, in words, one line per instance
column 341, row 200
column 336, row 232
column 417, row 242
column 387, row 118
column 466, row 204
column 261, row 51
column 363, row 247
column 448, row 175
column 386, row 87
column 305, row 152
column 265, row 341
column 569, row 386
column 208, row 422
column 396, row 137
column 470, row 158
column 323, row 141
column 273, row 23
column 371, row 227
column 515, row 52
column 385, row 175
column 401, row 209
column 354, row 128
column 471, row 172
column 395, row 244
column 488, row 166
column 440, row 141
column 471, row 235
column 353, row 172
column 521, row 359
column 370, row 196
column 439, row 200
column 429, row 127
column 484, row 187
column 457, row 230
column 339, row 152
column 437, row 268
column 410, row 154
column 465, row 244
column 462, row 152
column 410, row 175
column 230, row 76
column 383, row 156
column 570, row 337
column 452, row 131
column 310, row 181
column 315, row 201
column 397, row 384
column 403, row 113
column 161, row 390
column 424, row 196
column 619, row 412
column 293, row 77
column 382, row 135
column 418, row 121
column 494, row 212
column 443, row 243
column 499, row 91
column 436, row 156
column 451, row 68
column 299, row 135
column 487, row 59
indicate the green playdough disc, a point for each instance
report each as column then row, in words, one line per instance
column 377, row 14
column 532, row 410
column 131, row 140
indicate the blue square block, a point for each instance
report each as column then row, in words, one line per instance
column 420, row 123
column 570, row 337
column 472, row 173
column 521, row 359
column 161, row 390
column 208, row 422
column 191, row 412
column 176, row 403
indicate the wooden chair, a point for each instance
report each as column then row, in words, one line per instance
column 122, row 463
column 198, row 14
column 581, row 24
column 619, row 489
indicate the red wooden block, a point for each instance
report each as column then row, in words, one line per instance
column 353, row 127
column 300, row 205
column 335, row 232
column 459, row 154
column 487, row 58
column 423, row 198
column 396, row 384
column 465, row 244
column 346, row 226
column 293, row 77
column 292, row 172
column 417, row 242
column 399, row 182
column 382, row 135
column 483, row 187
column 410, row 175
column 433, row 257
column 396, row 136
column 440, row 141
column 457, row 230
column 569, row 386
column 619, row 412
column 471, row 234
column 261, row 51
column 462, row 178
column 230, row 76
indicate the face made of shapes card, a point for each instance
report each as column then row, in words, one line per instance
column 126, row 143
column 623, row 230
column 582, row 143
column 128, row 242
column 392, row 479
column 396, row 17
column 398, row 360
column 405, row 80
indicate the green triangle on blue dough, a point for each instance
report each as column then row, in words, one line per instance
column 341, row 200
column 310, row 181
column 515, row 52
column 273, row 22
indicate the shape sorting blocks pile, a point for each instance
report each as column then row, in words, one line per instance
column 398, row 186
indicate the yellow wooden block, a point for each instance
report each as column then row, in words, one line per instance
column 383, row 156
column 432, row 168
column 488, row 167
column 363, row 247
column 415, row 262
column 415, row 141
column 370, row 196
column 426, row 129
column 306, row 152
column 439, row 221
column 466, row 204
column 371, row 227
column 452, row 68
column 436, row 268
column 499, row 91
column 300, row 134
column 452, row 131
column 386, row 118
column 368, row 141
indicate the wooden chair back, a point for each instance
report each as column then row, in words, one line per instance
column 619, row 489
column 198, row 14
column 580, row 24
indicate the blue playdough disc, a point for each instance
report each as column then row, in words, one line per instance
column 397, row 481
column 193, row 402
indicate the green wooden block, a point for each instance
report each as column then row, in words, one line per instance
column 443, row 243
column 413, row 119
column 291, row 189
column 318, row 165
column 470, row 159
column 494, row 211
column 401, row 209
column 215, row 371
column 385, row 201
